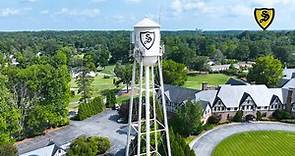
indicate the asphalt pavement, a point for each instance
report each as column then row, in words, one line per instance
column 104, row 124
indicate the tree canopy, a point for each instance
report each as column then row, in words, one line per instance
column 267, row 70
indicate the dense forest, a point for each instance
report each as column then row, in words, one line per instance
column 35, row 67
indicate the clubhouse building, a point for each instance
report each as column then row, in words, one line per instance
column 224, row 101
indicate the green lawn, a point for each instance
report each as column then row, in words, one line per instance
column 196, row 81
column 108, row 70
column 99, row 84
column 257, row 143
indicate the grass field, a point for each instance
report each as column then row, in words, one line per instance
column 257, row 143
column 98, row 84
column 196, row 81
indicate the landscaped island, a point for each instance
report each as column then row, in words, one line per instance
column 257, row 143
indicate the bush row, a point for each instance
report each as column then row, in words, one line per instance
column 87, row 110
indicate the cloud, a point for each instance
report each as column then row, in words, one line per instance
column 216, row 8
column 9, row 12
column 78, row 12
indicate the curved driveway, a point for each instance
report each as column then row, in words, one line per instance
column 205, row 144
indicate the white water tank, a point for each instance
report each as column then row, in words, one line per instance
column 147, row 40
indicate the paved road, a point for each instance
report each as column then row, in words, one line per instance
column 205, row 144
column 103, row 124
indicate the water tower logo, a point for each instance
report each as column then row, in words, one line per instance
column 147, row 39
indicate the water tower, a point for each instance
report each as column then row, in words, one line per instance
column 147, row 127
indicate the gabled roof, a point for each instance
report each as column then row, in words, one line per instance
column 178, row 94
column 288, row 73
column 231, row 95
column 290, row 84
column 49, row 150
column 206, row 95
column 233, row 81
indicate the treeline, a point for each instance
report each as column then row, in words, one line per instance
column 192, row 48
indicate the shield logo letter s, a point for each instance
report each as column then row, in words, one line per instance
column 264, row 17
column 147, row 39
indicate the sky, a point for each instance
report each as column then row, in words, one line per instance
column 35, row 15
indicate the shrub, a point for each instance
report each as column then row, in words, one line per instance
column 103, row 144
column 86, row 110
column 238, row 116
column 213, row 119
column 258, row 116
column 88, row 146
column 106, row 77
column 8, row 150
column 111, row 99
column 249, row 117
column 281, row 114
column 179, row 146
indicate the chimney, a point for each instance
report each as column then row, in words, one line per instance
column 289, row 99
column 205, row 86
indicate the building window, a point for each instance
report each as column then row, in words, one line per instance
column 228, row 109
column 265, row 107
column 258, row 108
column 236, row 108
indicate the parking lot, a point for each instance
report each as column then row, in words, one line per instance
column 103, row 124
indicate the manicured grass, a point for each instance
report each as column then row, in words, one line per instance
column 257, row 143
column 108, row 70
column 99, row 83
column 189, row 139
column 196, row 81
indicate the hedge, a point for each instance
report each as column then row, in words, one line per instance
column 87, row 110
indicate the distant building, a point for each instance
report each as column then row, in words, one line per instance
column 219, row 68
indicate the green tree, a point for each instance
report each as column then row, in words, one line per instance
column 188, row 118
column 178, row 145
column 110, row 97
column 174, row 73
column 10, row 115
column 84, row 80
column 238, row 116
column 242, row 51
column 124, row 74
column 267, row 70
column 200, row 63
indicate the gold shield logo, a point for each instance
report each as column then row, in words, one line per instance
column 264, row 17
